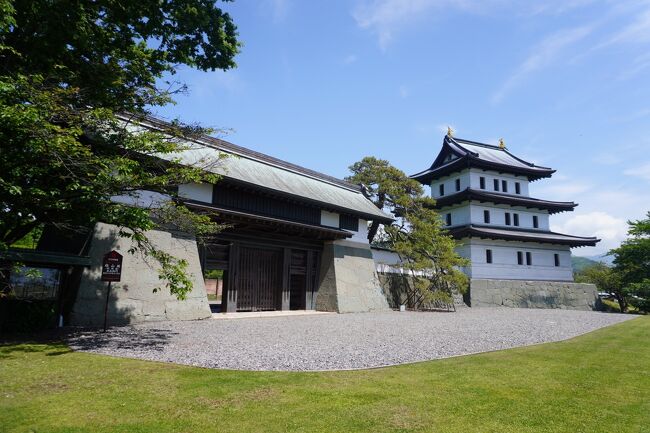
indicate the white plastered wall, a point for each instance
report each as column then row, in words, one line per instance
column 504, row 260
column 329, row 219
column 196, row 191
column 362, row 234
column 472, row 178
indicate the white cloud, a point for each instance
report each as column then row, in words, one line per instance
column 350, row 58
column 611, row 230
column 279, row 9
column 642, row 171
column 638, row 31
column 563, row 190
column 208, row 85
column 403, row 91
column 639, row 64
column 385, row 17
column 607, row 158
column 556, row 7
column 542, row 55
column 443, row 128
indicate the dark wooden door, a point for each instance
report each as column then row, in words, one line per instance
column 259, row 280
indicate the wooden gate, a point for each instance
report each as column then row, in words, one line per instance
column 259, row 279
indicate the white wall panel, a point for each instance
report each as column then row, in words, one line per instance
column 196, row 191
column 504, row 260
column 329, row 219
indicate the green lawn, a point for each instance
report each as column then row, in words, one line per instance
column 599, row 382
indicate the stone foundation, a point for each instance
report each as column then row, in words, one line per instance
column 532, row 294
column 132, row 299
column 348, row 280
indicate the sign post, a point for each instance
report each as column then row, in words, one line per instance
column 111, row 271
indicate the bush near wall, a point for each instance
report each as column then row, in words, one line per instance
column 22, row 315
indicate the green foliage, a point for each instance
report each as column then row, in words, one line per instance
column 29, row 241
column 70, row 71
column 213, row 274
column 417, row 235
column 601, row 275
column 114, row 51
column 606, row 280
column 632, row 263
column 26, row 315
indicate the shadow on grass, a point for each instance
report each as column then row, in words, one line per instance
column 124, row 338
column 9, row 350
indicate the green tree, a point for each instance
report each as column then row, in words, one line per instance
column 73, row 76
column 606, row 280
column 632, row 263
column 417, row 235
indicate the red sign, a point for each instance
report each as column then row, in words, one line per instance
column 112, row 266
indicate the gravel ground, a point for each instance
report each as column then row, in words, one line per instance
column 339, row 341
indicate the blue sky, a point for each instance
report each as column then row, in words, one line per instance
column 565, row 83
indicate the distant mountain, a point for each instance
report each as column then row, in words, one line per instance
column 580, row 263
column 609, row 260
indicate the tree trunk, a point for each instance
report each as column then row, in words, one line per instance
column 622, row 303
column 374, row 226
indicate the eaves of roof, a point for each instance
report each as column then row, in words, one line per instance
column 522, row 235
column 499, row 198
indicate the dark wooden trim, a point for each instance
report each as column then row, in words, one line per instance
column 349, row 222
column 227, row 215
column 306, row 200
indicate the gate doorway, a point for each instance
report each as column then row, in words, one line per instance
column 262, row 277
column 302, row 279
column 259, row 279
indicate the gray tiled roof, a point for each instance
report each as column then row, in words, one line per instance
column 466, row 153
column 487, row 152
column 269, row 173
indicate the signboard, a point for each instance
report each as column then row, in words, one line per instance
column 112, row 266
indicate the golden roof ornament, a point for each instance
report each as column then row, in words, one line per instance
column 450, row 132
column 502, row 144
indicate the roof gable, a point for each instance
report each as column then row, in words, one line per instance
column 457, row 154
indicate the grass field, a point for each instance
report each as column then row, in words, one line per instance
column 599, row 382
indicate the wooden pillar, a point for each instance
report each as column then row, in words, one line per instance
column 286, row 275
column 230, row 297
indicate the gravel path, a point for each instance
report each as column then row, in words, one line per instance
column 339, row 341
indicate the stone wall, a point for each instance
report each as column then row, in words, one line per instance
column 348, row 280
column 532, row 294
column 394, row 287
column 132, row 299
